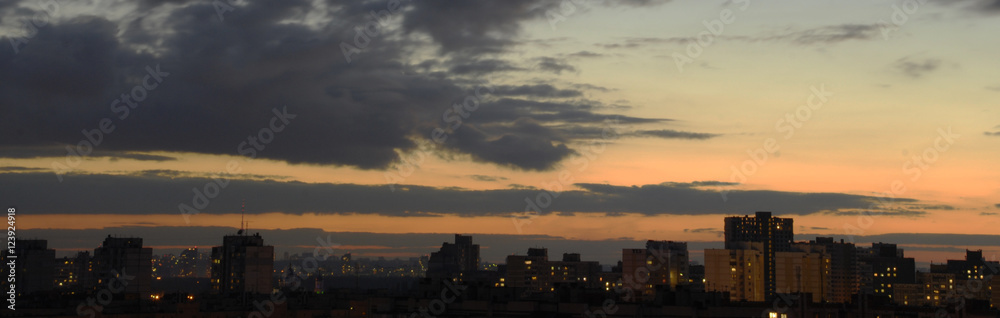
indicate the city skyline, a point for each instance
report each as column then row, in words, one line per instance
column 581, row 128
column 638, row 146
column 759, row 264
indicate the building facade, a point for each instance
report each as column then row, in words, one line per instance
column 123, row 259
column 775, row 235
column 740, row 272
column 661, row 264
column 930, row 289
column 882, row 267
column 35, row 264
column 243, row 264
column 534, row 272
column 454, row 261
column 803, row 272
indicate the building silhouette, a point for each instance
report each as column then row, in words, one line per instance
column 454, row 261
column 35, row 266
column 804, row 270
column 930, row 289
column 124, row 260
column 662, row 264
column 843, row 277
column 775, row 235
column 74, row 273
column 882, row 267
column 974, row 270
column 534, row 272
column 243, row 264
column 974, row 266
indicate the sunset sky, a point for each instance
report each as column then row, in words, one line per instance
column 583, row 126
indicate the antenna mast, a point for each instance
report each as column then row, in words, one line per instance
column 243, row 210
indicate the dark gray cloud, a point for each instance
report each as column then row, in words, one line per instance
column 718, row 232
column 21, row 169
column 487, row 27
column 508, row 110
column 944, row 207
column 226, row 76
column 893, row 212
column 674, row 134
column 598, row 132
column 480, row 67
column 473, row 27
column 986, row 7
column 163, row 173
column 991, row 5
column 635, row 42
column 823, row 35
column 585, row 54
column 537, row 90
column 590, row 87
column 480, row 177
column 554, row 65
column 145, row 194
column 701, row 230
column 510, row 149
column 151, row 4
column 56, row 152
column 915, row 69
column 636, row 3
column 828, row 34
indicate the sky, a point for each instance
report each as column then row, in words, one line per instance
column 583, row 126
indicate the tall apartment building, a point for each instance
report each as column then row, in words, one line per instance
column 804, row 271
column 243, row 264
column 187, row 263
column 844, row 277
column 35, row 264
column 124, row 258
column 74, row 273
column 661, row 263
column 775, row 235
column 740, row 271
column 882, row 267
column 454, row 261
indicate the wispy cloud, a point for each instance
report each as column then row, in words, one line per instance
column 996, row 131
column 824, row 35
column 674, row 134
column 585, row 54
column 480, row 177
column 916, row 69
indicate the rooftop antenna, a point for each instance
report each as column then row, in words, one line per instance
column 243, row 209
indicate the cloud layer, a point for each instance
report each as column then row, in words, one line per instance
column 161, row 192
column 360, row 91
